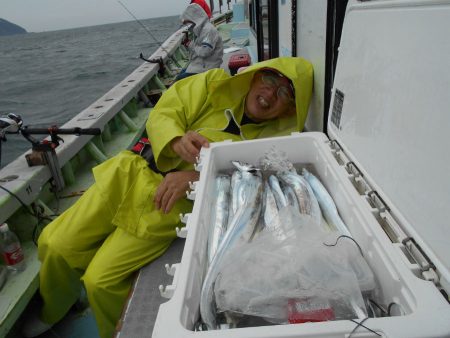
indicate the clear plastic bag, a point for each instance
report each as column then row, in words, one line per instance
column 290, row 278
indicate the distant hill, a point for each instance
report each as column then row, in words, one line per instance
column 9, row 28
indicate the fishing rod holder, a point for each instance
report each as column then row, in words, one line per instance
column 42, row 151
column 186, row 40
column 188, row 34
column 159, row 61
column 44, row 154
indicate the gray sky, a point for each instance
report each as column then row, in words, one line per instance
column 47, row 15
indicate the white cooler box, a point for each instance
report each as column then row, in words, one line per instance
column 386, row 164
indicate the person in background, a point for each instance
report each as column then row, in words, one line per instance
column 204, row 5
column 206, row 49
column 127, row 218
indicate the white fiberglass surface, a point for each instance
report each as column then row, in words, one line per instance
column 393, row 75
column 415, row 298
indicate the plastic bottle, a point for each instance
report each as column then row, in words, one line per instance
column 11, row 249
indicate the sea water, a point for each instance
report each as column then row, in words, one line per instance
column 50, row 77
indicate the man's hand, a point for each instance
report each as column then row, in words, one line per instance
column 172, row 188
column 188, row 147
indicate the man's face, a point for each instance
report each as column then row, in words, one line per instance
column 270, row 96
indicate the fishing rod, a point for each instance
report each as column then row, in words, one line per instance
column 141, row 56
column 142, row 25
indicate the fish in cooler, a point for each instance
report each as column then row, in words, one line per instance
column 236, row 179
column 270, row 206
column 305, row 197
column 221, row 211
column 326, row 203
column 280, row 198
column 255, row 208
column 240, row 228
column 291, row 197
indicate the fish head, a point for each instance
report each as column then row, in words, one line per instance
column 246, row 167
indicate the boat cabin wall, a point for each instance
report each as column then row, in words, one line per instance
column 293, row 28
column 311, row 28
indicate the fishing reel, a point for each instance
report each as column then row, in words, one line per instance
column 42, row 151
column 9, row 124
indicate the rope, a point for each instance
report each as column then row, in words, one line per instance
column 361, row 324
column 345, row 236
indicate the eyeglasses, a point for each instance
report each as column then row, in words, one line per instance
column 285, row 90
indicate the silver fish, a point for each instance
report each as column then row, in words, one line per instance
column 290, row 196
column 297, row 183
column 307, row 202
column 241, row 227
column 251, row 180
column 277, row 192
column 270, row 209
column 236, row 179
column 220, row 215
column 271, row 215
column 326, row 203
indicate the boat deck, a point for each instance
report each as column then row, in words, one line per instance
column 140, row 313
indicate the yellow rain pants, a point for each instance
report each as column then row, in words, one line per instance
column 84, row 244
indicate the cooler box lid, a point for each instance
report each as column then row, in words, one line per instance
column 390, row 112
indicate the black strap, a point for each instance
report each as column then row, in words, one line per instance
column 147, row 154
column 152, row 165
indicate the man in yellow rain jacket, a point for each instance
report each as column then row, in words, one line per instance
column 129, row 215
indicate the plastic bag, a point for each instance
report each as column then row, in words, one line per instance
column 290, row 278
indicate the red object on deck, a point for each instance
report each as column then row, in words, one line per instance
column 203, row 5
column 237, row 61
column 307, row 310
column 140, row 145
